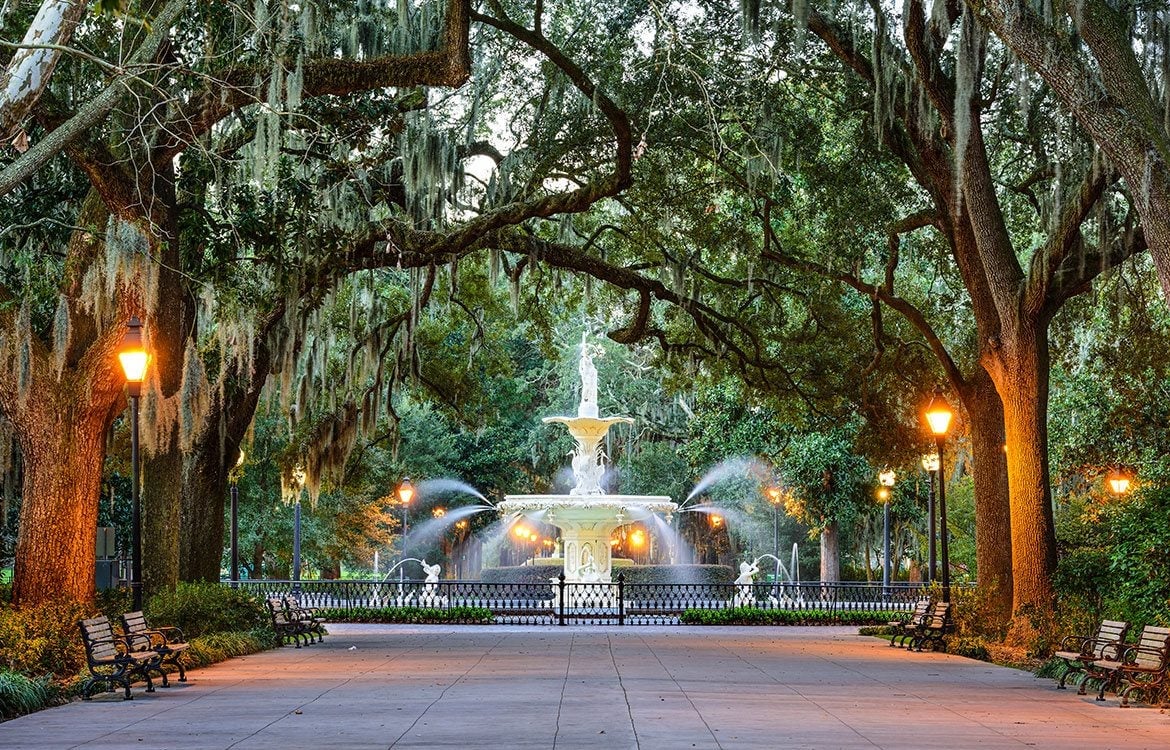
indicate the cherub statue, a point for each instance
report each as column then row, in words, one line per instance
column 744, row 595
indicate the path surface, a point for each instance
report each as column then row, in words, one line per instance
column 380, row 686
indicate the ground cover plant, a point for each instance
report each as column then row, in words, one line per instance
column 411, row 615
column 756, row 616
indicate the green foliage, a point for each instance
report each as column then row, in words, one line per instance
column 204, row 608
column 754, row 616
column 216, row 647
column 21, row 695
column 972, row 648
column 411, row 615
column 42, row 640
column 829, row 480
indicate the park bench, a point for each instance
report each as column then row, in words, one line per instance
column 936, row 625
column 167, row 642
column 314, row 625
column 111, row 659
column 285, row 625
column 905, row 628
column 1140, row 668
column 1079, row 651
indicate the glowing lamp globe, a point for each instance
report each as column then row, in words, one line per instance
column 939, row 414
column 132, row 354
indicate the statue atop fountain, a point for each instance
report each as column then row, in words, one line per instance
column 587, row 516
column 588, row 405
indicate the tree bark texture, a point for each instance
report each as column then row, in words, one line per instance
column 1020, row 370
column 64, row 453
column 993, row 532
column 831, row 553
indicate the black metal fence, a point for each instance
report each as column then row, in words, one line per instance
column 620, row 603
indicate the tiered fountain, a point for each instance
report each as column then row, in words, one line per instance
column 587, row 516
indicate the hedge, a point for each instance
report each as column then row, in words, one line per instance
column 411, row 615
column 754, row 616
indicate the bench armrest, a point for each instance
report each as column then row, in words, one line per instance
column 1130, row 656
column 1102, row 648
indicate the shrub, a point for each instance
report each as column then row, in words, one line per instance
column 202, row 608
column 217, row 647
column 21, row 695
column 43, row 640
column 412, row 615
column 973, row 647
column 754, row 616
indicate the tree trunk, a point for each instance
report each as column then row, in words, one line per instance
column 1020, row 371
column 63, row 454
column 993, row 532
column 161, row 530
column 205, row 493
column 830, row 554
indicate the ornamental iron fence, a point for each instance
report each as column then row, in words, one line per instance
column 561, row 603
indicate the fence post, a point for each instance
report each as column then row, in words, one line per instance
column 561, row 597
column 621, row 598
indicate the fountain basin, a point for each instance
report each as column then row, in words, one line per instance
column 587, row 522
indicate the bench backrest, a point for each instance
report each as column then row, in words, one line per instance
column 1153, row 647
column 277, row 609
column 98, row 637
column 1109, row 635
column 920, row 610
column 134, row 623
column 940, row 615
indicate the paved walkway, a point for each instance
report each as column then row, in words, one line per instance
column 380, row 686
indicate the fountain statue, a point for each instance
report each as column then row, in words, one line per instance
column 744, row 596
column 587, row 516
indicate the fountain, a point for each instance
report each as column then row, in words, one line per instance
column 587, row 516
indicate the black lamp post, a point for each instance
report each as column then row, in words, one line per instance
column 930, row 463
column 405, row 493
column 299, row 483
column 234, row 478
column 887, row 479
column 938, row 416
column 133, row 358
column 774, row 497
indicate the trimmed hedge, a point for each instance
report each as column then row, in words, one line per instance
column 201, row 608
column 410, row 615
column 635, row 574
column 754, row 616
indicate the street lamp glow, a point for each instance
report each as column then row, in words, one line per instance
column 939, row 414
column 887, row 478
column 405, row 491
column 637, row 538
column 1120, row 482
column 930, row 462
column 132, row 355
column 883, row 494
column 774, row 495
column 439, row 512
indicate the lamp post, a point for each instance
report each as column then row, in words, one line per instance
column 887, row 479
column 234, row 478
column 133, row 358
column 299, row 482
column 938, row 416
column 930, row 463
column 774, row 497
column 405, row 493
